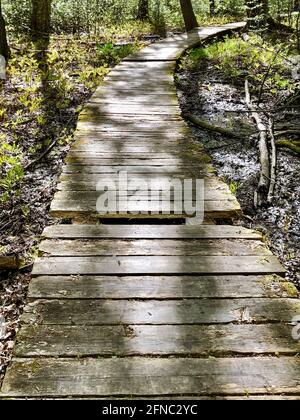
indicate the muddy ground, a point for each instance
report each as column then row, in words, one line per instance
column 204, row 92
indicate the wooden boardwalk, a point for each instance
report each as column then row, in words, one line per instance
column 139, row 310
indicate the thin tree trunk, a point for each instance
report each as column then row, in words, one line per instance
column 189, row 17
column 143, row 10
column 40, row 19
column 257, row 13
column 4, row 48
column 212, row 7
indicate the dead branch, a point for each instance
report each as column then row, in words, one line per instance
column 273, row 161
column 288, row 144
column 206, row 126
column 48, row 150
column 264, row 180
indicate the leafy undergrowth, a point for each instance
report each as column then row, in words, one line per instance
column 45, row 90
column 219, row 72
column 267, row 65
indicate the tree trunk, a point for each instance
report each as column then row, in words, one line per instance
column 40, row 19
column 189, row 17
column 212, row 7
column 143, row 10
column 4, row 49
column 257, row 14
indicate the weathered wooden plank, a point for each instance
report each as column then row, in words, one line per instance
column 111, row 96
column 214, row 209
column 58, row 247
column 149, row 67
column 166, row 155
column 155, row 179
column 90, row 197
column 161, row 86
column 148, row 77
column 158, row 265
column 137, row 149
column 121, row 121
column 89, row 161
column 144, row 376
column 142, row 169
column 155, row 340
column 149, row 232
column 165, row 312
column 159, row 287
column 94, row 133
column 140, row 109
column 172, row 128
column 68, row 183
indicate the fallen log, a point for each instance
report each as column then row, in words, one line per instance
column 287, row 132
column 273, row 162
column 264, row 179
column 209, row 127
column 289, row 144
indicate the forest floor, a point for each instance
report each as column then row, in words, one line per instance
column 208, row 93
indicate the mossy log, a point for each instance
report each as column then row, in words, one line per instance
column 289, row 144
column 209, row 127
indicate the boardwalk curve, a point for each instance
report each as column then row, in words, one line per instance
column 151, row 310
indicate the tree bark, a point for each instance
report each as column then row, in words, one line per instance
column 143, row 10
column 4, row 48
column 40, row 19
column 257, row 13
column 189, row 17
column 212, row 7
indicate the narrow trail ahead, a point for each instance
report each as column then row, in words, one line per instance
column 140, row 310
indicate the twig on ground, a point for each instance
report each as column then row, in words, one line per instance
column 48, row 150
column 263, row 185
column 273, row 161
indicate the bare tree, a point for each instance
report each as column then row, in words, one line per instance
column 4, row 48
column 189, row 16
column 143, row 10
column 40, row 19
